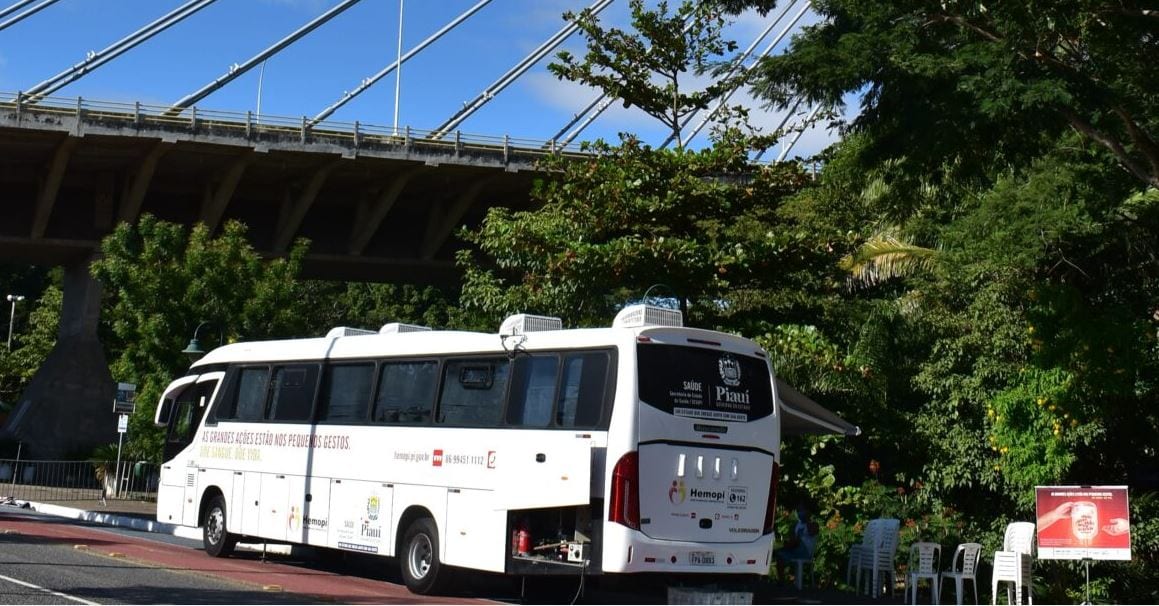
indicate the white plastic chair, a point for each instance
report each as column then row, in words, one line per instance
column 858, row 553
column 1012, row 564
column 800, row 563
column 963, row 566
column 924, row 561
column 878, row 552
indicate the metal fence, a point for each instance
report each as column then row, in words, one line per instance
column 62, row 481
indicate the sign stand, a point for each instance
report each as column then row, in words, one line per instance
column 124, row 405
column 122, row 427
column 1087, row 587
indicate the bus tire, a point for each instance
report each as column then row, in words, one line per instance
column 419, row 560
column 219, row 542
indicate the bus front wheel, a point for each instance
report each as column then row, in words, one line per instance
column 421, row 569
column 214, row 533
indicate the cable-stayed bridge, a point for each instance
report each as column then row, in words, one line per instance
column 281, row 114
column 75, row 162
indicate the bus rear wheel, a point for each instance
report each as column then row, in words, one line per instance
column 419, row 559
column 219, row 542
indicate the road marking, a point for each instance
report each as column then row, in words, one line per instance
column 47, row 590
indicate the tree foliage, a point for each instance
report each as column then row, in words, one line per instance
column 163, row 280
column 652, row 66
column 999, row 184
column 703, row 224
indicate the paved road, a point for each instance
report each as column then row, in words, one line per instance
column 45, row 560
column 84, row 562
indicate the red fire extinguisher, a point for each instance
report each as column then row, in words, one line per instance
column 520, row 541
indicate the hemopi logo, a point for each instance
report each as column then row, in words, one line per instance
column 677, row 494
column 710, row 496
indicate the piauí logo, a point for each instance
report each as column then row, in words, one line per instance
column 373, row 505
column 729, row 370
column 677, row 493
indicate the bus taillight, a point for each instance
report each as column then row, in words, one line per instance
column 624, row 504
column 771, row 512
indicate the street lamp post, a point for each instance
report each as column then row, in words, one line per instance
column 13, row 299
column 194, row 350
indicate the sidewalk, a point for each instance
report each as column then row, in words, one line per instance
column 137, row 515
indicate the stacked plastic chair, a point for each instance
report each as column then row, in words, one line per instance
column 878, row 551
column 1012, row 563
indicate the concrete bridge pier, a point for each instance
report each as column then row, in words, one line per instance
column 67, row 408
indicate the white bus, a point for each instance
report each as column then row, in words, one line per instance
column 646, row 447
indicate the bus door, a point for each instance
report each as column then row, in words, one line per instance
column 185, row 405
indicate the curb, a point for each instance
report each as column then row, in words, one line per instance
column 134, row 523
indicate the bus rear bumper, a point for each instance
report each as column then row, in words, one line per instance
column 631, row 551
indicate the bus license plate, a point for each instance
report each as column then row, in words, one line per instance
column 702, row 558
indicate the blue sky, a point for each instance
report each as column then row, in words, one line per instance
column 316, row 71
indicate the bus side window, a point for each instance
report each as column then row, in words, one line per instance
column 250, row 399
column 581, row 397
column 473, row 392
column 533, row 390
column 406, row 392
column 292, row 392
column 345, row 394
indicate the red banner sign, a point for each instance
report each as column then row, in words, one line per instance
column 1083, row 522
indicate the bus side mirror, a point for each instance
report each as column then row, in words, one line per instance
column 164, row 411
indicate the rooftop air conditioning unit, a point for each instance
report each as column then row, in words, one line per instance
column 519, row 324
column 346, row 331
column 635, row 316
column 395, row 328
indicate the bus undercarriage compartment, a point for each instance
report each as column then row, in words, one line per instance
column 558, row 540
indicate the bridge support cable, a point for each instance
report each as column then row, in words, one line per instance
column 720, row 104
column 97, row 59
column 797, row 136
column 514, row 73
column 236, row 70
column 15, row 7
column 368, row 82
column 736, row 66
column 780, row 126
column 28, row 13
column 601, row 103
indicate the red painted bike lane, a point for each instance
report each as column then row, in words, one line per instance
column 247, row 569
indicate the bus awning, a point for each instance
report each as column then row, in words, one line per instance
column 803, row 415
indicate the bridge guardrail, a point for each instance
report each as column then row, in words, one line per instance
column 265, row 126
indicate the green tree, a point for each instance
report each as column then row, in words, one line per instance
column 162, row 280
column 651, row 66
column 974, row 83
column 704, row 224
column 1016, row 141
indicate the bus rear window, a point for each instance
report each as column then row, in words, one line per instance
column 703, row 383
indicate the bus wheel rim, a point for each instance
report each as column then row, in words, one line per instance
column 419, row 558
column 214, row 525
